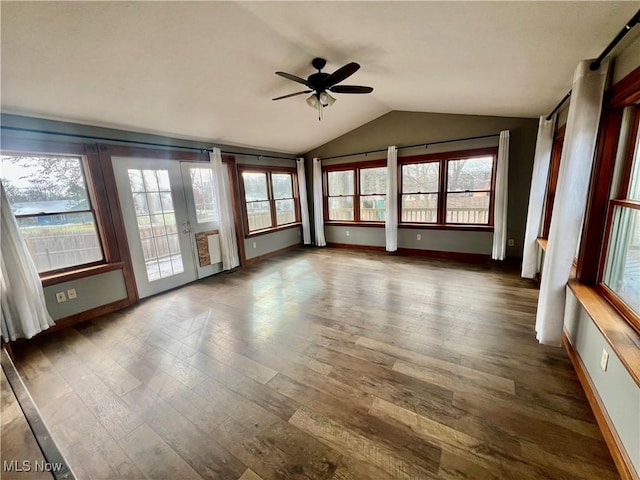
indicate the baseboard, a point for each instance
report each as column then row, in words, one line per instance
column 80, row 317
column 460, row 256
column 251, row 261
column 411, row 252
column 618, row 453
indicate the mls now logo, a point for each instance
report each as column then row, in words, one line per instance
column 28, row 466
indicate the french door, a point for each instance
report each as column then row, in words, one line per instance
column 169, row 210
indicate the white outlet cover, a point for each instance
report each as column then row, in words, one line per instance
column 604, row 360
column 60, row 297
column 418, row 237
column 348, row 233
column 71, row 293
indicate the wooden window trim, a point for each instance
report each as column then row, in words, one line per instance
column 91, row 176
column 552, row 179
column 443, row 158
column 268, row 171
column 596, row 231
column 356, row 168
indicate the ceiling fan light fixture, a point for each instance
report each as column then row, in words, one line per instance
column 313, row 101
column 326, row 99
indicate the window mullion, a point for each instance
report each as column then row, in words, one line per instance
column 272, row 202
column 442, row 191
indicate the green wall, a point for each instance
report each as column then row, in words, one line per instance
column 410, row 128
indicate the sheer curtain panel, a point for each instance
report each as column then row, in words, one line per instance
column 500, row 201
column 318, row 203
column 541, row 160
column 23, row 312
column 227, row 230
column 391, row 222
column 571, row 197
column 304, row 206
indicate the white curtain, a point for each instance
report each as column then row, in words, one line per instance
column 227, row 230
column 500, row 201
column 318, row 207
column 391, row 222
column 571, row 197
column 541, row 160
column 304, row 207
column 24, row 311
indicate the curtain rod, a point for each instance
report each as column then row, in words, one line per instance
column 595, row 65
column 135, row 142
column 423, row 144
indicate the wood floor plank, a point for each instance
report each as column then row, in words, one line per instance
column 154, row 457
column 320, row 364
column 200, row 451
column 463, row 374
column 250, row 475
column 361, row 448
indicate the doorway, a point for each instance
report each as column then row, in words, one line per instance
column 171, row 220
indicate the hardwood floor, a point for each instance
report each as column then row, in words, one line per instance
column 320, row 364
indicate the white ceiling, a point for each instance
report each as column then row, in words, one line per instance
column 205, row 70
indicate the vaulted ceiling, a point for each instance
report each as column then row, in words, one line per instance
column 205, row 70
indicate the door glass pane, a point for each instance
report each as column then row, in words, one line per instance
column 373, row 180
column 255, row 186
column 468, row 207
column 340, row 183
column 157, row 228
column 285, row 212
column 259, row 215
column 420, row 208
column 282, row 185
column 622, row 267
column 203, row 188
column 372, row 208
column 469, row 174
column 420, row 177
column 340, row 208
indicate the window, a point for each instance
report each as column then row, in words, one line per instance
column 270, row 198
column 621, row 266
column 53, row 209
column 469, row 190
column 373, row 194
column 453, row 188
column 356, row 193
column 203, row 188
column 420, row 192
column 341, row 194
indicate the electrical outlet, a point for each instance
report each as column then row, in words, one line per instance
column 60, row 297
column 418, row 237
column 71, row 293
column 255, row 245
column 604, row 360
column 347, row 233
column 511, row 242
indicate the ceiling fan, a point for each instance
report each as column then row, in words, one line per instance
column 320, row 84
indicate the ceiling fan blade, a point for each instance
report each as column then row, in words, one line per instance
column 288, row 76
column 341, row 74
column 293, row 94
column 351, row 89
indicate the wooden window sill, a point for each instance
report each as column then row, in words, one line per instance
column 354, row 224
column 272, row 230
column 56, row 278
column 543, row 243
column 620, row 335
column 451, row 226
